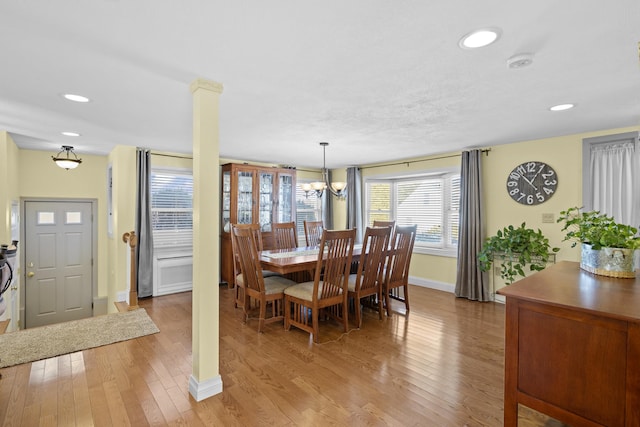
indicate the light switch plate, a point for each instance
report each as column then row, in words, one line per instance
column 548, row 218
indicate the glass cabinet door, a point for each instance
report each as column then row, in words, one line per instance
column 285, row 198
column 265, row 192
column 245, row 197
column 226, row 201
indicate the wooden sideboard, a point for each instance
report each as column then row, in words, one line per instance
column 572, row 347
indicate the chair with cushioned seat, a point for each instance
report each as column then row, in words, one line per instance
column 327, row 293
column 266, row 291
column 368, row 280
column 397, row 270
column 237, row 275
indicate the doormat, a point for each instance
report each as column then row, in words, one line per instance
column 43, row 342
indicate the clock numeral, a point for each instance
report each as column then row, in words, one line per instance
column 530, row 199
column 514, row 191
column 512, row 184
column 548, row 190
column 515, row 176
column 548, row 174
column 531, row 167
column 521, row 197
column 540, row 197
column 552, row 182
column 521, row 170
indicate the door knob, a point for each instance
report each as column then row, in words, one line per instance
column 31, row 274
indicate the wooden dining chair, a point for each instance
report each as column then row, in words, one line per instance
column 313, row 232
column 265, row 291
column 370, row 275
column 284, row 235
column 327, row 295
column 238, row 279
column 380, row 223
column 397, row 270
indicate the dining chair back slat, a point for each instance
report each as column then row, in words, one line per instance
column 313, row 232
column 284, row 235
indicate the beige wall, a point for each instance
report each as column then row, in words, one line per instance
column 563, row 153
column 39, row 177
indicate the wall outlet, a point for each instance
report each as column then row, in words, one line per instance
column 548, row 218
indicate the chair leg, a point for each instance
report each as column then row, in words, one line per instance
column 314, row 323
column 387, row 301
column 380, row 304
column 263, row 313
column 287, row 314
column 358, row 308
column 406, row 296
column 345, row 315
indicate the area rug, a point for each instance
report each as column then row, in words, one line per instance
column 43, row 342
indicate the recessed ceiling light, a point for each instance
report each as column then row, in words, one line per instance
column 75, row 98
column 70, row 133
column 562, row 107
column 480, row 38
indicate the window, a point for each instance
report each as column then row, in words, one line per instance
column 430, row 201
column 610, row 178
column 308, row 208
column 172, row 207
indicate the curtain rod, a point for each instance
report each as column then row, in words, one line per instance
column 153, row 153
column 408, row 162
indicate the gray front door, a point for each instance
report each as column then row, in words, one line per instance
column 58, row 258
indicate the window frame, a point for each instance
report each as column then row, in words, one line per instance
column 445, row 248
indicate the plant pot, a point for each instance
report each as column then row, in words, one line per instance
column 610, row 262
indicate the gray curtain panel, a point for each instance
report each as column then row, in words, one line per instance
column 471, row 283
column 354, row 202
column 144, row 250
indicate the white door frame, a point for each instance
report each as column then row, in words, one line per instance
column 94, row 246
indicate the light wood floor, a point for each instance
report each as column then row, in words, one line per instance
column 441, row 365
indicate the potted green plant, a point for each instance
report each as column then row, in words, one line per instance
column 607, row 246
column 516, row 247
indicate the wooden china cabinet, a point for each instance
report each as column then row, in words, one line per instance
column 253, row 194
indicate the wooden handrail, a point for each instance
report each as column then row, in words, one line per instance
column 131, row 238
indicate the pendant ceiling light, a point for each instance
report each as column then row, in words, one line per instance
column 64, row 159
column 338, row 189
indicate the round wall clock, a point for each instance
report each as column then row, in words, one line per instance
column 532, row 183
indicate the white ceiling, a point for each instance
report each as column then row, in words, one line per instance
column 379, row 80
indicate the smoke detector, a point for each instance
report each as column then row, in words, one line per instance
column 520, row 60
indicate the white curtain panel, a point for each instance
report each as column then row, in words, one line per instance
column 614, row 181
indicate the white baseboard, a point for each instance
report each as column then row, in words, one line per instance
column 122, row 296
column 432, row 284
column 205, row 389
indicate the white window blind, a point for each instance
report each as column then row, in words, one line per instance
column 172, row 207
column 308, row 208
column 431, row 202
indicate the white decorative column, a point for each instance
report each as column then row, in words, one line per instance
column 205, row 378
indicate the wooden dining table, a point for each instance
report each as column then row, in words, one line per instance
column 304, row 258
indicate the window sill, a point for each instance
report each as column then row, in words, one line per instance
column 449, row 252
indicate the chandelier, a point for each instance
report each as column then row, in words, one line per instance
column 64, row 159
column 338, row 189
